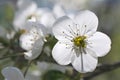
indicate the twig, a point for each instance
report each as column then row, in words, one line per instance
column 10, row 56
column 102, row 69
column 27, row 68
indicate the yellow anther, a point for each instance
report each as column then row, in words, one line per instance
column 22, row 31
column 80, row 41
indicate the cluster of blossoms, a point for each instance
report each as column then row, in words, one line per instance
column 78, row 41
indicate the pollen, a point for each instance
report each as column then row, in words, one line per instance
column 29, row 17
column 22, row 31
column 80, row 41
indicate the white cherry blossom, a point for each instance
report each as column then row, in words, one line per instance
column 78, row 41
column 32, row 40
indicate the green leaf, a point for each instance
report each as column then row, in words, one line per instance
column 54, row 75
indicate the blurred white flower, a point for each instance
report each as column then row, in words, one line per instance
column 24, row 4
column 47, row 18
column 12, row 73
column 73, row 4
column 78, row 41
column 25, row 9
column 60, row 11
column 79, row 4
column 32, row 40
column 28, row 11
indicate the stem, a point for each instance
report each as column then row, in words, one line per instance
column 82, row 67
column 11, row 56
column 78, row 76
column 81, row 76
column 27, row 68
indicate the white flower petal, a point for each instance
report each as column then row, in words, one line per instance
column 22, row 15
column 48, row 19
column 37, row 47
column 62, row 28
column 88, row 19
column 61, row 54
column 28, row 54
column 35, row 25
column 92, row 53
column 42, row 10
column 33, row 40
column 100, row 44
column 36, row 50
column 23, row 4
column 27, row 41
column 71, row 14
column 58, row 10
column 85, row 64
column 12, row 73
column 33, row 19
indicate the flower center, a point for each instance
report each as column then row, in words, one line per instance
column 80, row 41
column 30, row 16
column 22, row 31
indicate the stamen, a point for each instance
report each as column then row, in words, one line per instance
column 23, row 31
column 72, row 31
column 80, row 41
column 82, row 66
column 85, row 29
column 77, row 29
column 69, row 37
